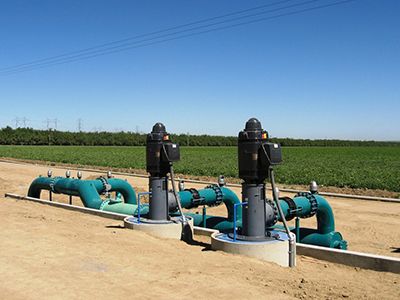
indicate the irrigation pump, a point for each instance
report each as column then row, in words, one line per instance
column 160, row 154
column 257, row 236
column 256, row 157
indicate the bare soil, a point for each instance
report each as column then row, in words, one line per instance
column 51, row 253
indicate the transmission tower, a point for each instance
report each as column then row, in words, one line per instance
column 80, row 121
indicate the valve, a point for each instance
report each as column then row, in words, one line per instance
column 68, row 173
column 49, row 173
column 79, row 174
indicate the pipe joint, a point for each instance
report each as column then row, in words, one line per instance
column 313, row 203
column 292, row 211
column 219, row 196
column 106, row 186
column 196, row 199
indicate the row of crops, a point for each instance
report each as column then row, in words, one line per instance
column 356, row 167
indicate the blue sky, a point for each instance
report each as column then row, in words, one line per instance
column 328, row 73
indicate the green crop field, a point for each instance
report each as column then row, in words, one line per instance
column 356, row 167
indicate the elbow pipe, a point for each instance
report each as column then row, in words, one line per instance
column 124, row 188
column 305, row 206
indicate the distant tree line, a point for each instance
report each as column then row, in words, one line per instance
column 29, row 136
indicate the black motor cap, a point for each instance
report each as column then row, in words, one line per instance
column 158, row 128
column 253, row 125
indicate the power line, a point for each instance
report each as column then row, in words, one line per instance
column 142, row 35
column 128, row 47
column 95, row 51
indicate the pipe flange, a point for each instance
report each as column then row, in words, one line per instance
column 313, row 202
column 275, row 211
column 103, row 204
column 196, row 199
column 106, row 185
column 53, row 182
column 292, row 207
column 219, row 196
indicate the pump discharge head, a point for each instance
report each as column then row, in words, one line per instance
column 160, row 151
column 160, row 154
column 256, row 155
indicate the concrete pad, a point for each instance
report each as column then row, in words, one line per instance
column 168, row 229
column 276, row 250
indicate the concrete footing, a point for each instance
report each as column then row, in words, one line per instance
column 165, row 229
column 276, row 250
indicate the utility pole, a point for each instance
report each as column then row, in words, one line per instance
column 187, row 139
column 55, row 123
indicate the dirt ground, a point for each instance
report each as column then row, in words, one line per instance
column 51, row 253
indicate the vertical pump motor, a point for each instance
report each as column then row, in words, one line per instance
column 256, row 156
column 160, row 153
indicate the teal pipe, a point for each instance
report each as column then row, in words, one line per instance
column 209, row 196
column 87, row 190
column 214, row 222
column 331, row 239
column 324, row 213
column 124, row 208
column 124, row 188
column 325, row 234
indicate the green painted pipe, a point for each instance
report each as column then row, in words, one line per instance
column 214, row 222
column 325, row 234
column 209, row 197
column 124, row 208
column 331, row 239
column 324, row 213
column 87, row 190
